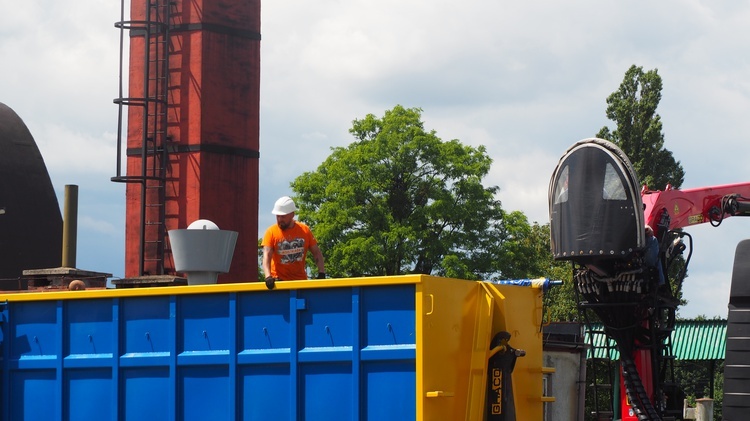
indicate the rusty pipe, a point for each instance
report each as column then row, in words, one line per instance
column 70, row 226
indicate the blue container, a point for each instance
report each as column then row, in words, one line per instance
column 210, row 353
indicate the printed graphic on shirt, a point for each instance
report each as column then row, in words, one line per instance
column 291, row 251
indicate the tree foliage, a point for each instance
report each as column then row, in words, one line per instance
column 560, row 302
column 701, row 379
column 401, row 200
column 639, row 129
column 639, row 135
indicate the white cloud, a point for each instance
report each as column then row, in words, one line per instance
column 68, row 151
column 707, row 295
column 99, row 225
column 525, row 79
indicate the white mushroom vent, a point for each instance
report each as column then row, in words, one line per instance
column 203, row 224
column 202, row 251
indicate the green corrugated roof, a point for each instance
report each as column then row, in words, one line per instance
column 691, row 340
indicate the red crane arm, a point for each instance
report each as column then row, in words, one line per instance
column 680, row 208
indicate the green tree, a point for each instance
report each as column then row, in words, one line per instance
column 401, row 200
column 639, row 135
column 639, row 129
column 560, row 302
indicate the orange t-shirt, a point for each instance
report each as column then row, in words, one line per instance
column 289, row 250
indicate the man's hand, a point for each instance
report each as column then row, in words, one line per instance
column 271, row 282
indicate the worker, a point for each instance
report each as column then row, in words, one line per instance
column 285, row 246
column 651, row 256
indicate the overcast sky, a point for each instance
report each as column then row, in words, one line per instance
column 525, row 79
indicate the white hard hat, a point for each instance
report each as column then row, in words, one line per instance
column 284, row 206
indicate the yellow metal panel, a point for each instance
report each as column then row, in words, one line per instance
column 446, row 312
column 207, row 289
column 477, row 391
column 456, row 320
column 522, row 318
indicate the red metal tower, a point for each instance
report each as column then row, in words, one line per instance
column 192, row 127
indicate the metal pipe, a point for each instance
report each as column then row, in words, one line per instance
column 70, row 226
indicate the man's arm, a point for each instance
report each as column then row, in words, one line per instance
column 267, row 252
column 318, row 257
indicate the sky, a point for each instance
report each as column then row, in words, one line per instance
column 524, row 79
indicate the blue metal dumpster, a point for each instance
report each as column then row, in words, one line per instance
column 355, row 349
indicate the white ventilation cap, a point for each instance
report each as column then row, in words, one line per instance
column 203, row 224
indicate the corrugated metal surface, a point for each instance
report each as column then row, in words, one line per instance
column 214, row 352
column 691, row 340
column 700, row 340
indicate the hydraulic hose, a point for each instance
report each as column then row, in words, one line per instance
column 635, row 391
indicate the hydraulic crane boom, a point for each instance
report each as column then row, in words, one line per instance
column 681, row 208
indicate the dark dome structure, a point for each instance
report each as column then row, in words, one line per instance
column 595, row 204
column 30, row 219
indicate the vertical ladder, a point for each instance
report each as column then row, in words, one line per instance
column 600, row 374
column 663, row 324
column 152, row 103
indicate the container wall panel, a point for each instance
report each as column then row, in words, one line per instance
column 265, row 392
column 388, row 317
column 34, row 332
column 327, row 391
column 29, row 386
column 203, row 323
column 388, row 390
column 146, row 327
column 145, row 393
column 205, row 394
column 88, row 395
column 265, row 321
column 89, row 329
column 327, row 318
